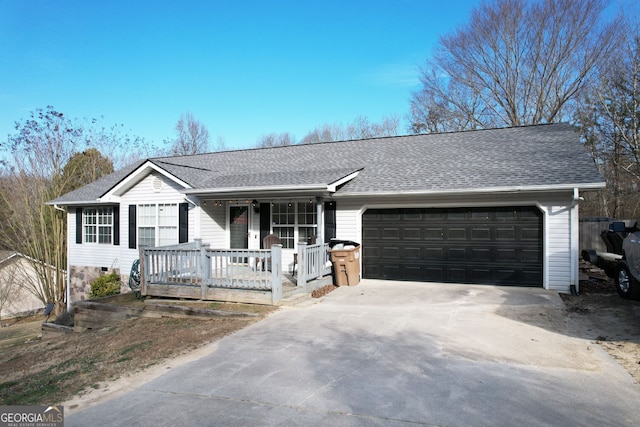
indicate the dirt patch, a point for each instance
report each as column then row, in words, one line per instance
column 50, row 372
column 19, row 332
column 610, row 321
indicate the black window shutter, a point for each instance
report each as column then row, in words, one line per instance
column 132, row 227
column 265, row 221
column 79, row 226
column 183, row 223
column 116, row 225
column 329, row 220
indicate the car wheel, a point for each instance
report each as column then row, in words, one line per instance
column 626, row 285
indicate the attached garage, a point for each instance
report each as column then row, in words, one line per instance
column 497, row 245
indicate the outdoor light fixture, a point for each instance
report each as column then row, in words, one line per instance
column 256, row 206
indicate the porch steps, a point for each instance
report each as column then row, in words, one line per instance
column 297, row 295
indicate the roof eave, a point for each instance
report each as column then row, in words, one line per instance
column 333, row 187
column 487, row 190
column 76, row 202
column 284, row 190
column 136, row 175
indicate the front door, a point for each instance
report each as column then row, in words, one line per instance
column 239, row 227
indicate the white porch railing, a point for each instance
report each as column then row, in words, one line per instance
column 196, row 265
column 193, row 270
column 239, row 268
column 314, row 262
column 173, row 264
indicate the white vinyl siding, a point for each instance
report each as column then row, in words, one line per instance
column 213, row 225
column 558, row 256
column 349, row 220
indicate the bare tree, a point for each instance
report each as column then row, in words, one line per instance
column 192, row 137
column 38, row 153
column 516, row 62
column 276, row 140
column 609, row 120
column 46, row 157
column 325, row 133
column 388, row 126
column 221, row 144
column 360, row 128
column 445, row 105
column 123, row 147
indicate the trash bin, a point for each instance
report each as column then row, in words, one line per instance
column 346, row 263
column 340, row 244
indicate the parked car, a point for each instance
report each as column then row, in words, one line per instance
column 621, row 261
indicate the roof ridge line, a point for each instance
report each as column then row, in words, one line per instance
column 176, row 164
column 373, row 139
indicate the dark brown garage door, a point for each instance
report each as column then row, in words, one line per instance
column 462, row 245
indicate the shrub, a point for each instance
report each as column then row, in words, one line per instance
column 106, row 285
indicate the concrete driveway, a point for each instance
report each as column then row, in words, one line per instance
column 392, row 354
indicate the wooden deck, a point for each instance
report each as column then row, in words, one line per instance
column 252, row 296
column 194, row 271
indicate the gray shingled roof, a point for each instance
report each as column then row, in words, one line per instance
column 276, row 178
column 523, row 157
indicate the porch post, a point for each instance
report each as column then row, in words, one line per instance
column 276, row 274
column 320, row 220
column 302, row 265
column 143, row 270
column 201, row 258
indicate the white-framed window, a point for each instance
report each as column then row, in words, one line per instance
column 307, row 221
column 294, row 222
column 157, row 224
column 97, row 225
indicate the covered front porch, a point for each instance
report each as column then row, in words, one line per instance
column 196, row 271
column 232, row 224
column 240, row 211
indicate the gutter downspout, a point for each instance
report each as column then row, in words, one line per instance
column 68, row 278
column 574, row 285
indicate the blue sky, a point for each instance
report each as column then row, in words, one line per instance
column 242, row 68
